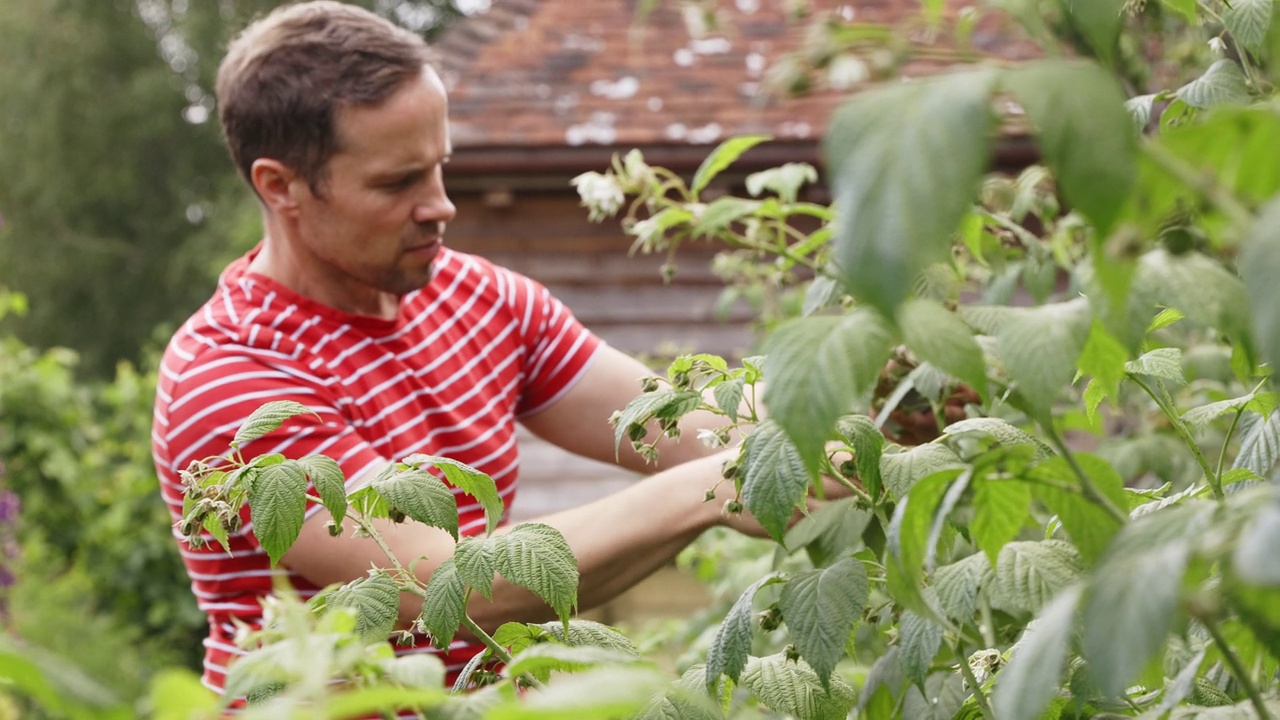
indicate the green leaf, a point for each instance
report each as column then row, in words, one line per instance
column 1099, row 21
column 816, row 368
column 444, row 605
column 1103, row 358
column 820, row 608
column 369, row 701
column 1089, row 525
column 1200, row 417
column 583, row 633
column 214, row 527
column 416, row 671
column 376, row 602
column 543, row 658
column 1039, row 346
column 1255, row 559
column 1259, row 261
column 861, row 433
column 476, row 564
column 918, row 641
column 722, row 157
column 1134, row 592
column 329, row 482
column 174, row 695
column 792, row 688
column 957, row 585
column 902, row 470
column 1260, row 446
column 729, row 395
column 723, row 212
column 732, row 642
column 774, row 478
column 470, row 481
column 1033, row 674
column 607, row 693
column 1000, row 509
column 1222, row 84
column 830, row 532
column 1030, row 573
column 893, row 150
column 908, row 536
column 1084, row 131
column 1186, row 8
column 1248, row 22
column 1162, row 363
column 1140, row 108
column 784, row 181
column 536, row 557
column 419, row 495
column 278, row 506
column 1005, row 434
column 267, row 418
column 938, row 336
column 660, row 403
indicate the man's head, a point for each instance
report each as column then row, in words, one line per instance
column 285, row 78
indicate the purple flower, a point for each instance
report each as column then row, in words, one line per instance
column 10, row 506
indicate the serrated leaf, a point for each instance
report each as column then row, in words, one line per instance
column 1005, row 434
column 902, row 470
column 722, row 157
column 728, row 395
column 918, row 641
column 278, row 506
column 536, row 557
column 820, row 608
column 416, row 671
column 543, row 658
column 266, row 418
column 938, row 336
column 214, row 527
column 1030, row 573
column 774, row 478
column 419, row 495
column 816, row 368
column 326, row 475
column 1089, row 525
column 792, row 688
column 1000, row 509
column 1260, row 446
column 833, row 530
column 1134, row 592
column 1084, row 131
column 907, row 536
column 1200, row 417
column 942, row 698
column 607, row 693
column 825, row 291
column 1255, row 559
column 957, row 585
column 1162, row 363
column 1248, row 22
column 784, row 181
column 444, row 604
column 376, row 602
column 861, row 433
column 889, row 156
column 1197, row 285
column 1039, row 346
column 732, row 642
column 583, row 633
column 1186, row 8
column 474, row 558
column 1139, row 108
column 1034, row 672
column 470, row 481
column 1222, row 84
column 1103, row 357
column 650, row 405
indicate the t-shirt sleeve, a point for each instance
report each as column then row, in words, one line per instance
column 557, row 348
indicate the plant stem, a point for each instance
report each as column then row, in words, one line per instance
column 1205, row 184
column 1226, row 440
column 1237, row 668
column 1087, row 486
column 1180, row 427
column 978, row 696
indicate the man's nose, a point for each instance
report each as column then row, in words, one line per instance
column 435, row 206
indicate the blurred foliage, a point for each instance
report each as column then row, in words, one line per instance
column 118, row 205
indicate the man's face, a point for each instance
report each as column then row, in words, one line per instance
column 376, row 222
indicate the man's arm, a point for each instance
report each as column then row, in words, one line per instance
column 578, row 421
column 618, row 541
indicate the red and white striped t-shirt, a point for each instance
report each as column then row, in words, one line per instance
column 476, row 348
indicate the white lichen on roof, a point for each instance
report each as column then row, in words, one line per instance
column 755, row 64
column 710, row 46
column 708, row 133
column 620, row 89
column 598, row 130
column 654, row 104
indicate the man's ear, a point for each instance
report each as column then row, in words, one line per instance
column 277, row 185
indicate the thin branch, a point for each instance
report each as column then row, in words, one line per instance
column 1237, row 668
column 1180, row 427
column 1088, row 488
column 1204, row 183
column 979, row 697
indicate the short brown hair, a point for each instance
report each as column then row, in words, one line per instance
column 285, row 76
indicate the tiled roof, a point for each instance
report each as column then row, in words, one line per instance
column 571, row 73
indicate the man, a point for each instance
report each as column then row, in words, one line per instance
column 352, row 306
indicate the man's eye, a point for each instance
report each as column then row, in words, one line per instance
column 404, row 183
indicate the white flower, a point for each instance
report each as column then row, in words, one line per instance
column 1218, row 47
column 601, row 194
